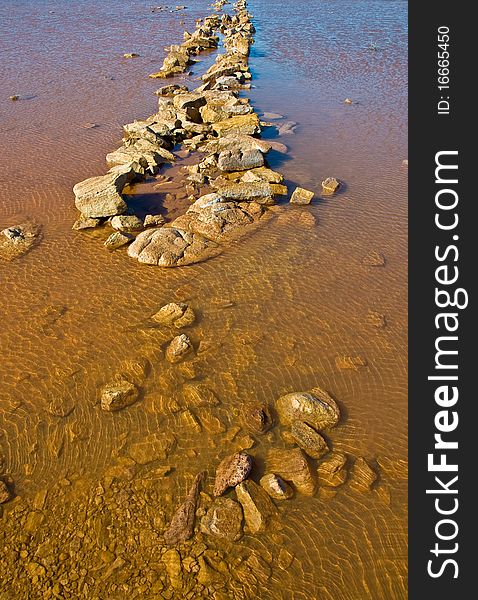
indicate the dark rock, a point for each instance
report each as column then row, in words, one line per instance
column 231, row 471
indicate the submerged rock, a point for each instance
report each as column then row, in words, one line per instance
column 181, row 527
column 301, row 196
column 179, row 348
column 117, row 240
column 292, row 465
column 231, row 471
column 86, row 223
column 311, row 442
column 101, row 196
column 257, row 506
column 316, row 408
column 18, row 240
column 276, row 487
column 362, row 476
column 256, row 417
column 118, row 395
column 331, row 471
column 223, row 520
column 353, row 363
column 5, row 493
column 374, row 259
column 330, row 185
column 175, row 314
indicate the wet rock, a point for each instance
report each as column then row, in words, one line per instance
column 153, row 220
column 240, row 161
column 101, row 196
column 153, row 447
column 14, row 97
column 18, row 240
column 257, row 506
column 5, row 493
column 231, row 471
column 86, row 223
column 330, row 185
column 238, row 125
column 117, row 240
column 352, row 363
column 60, row 406
column 181, row 527
column 180, row 347
column 311, row 442
column 301, row 196
column 127, row 223
column 260, row 192
column 262, row 174
column 270, row 116
column 223, row 520
column 287, row 128
column 171, row 247
column 374, row 259
column 170, row 90
column 292, row 466
column 199, row 395
column 301, row 218
column 256, row 417
column 172, row 560
column 348, row 101
column 276, row 487
column 332, row 471
column 362, row 476
column 376, row 319
column 278, row 147
column 316, row 408
column 175, row 314
column 130, row 55
column 279, row 190
column 118, row 395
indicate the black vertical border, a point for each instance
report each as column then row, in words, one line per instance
column 430, row 133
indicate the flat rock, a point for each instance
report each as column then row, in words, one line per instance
column 374, row 259
column 118, row 395
column 179, row 348
column 301, row 196
column 101, row 196
column 170, row 90
column 171, row 247
column 311, row 442
column 238, row 125
column 292, row 466
column 223, row 520
column 316, row 408
column 278, row 147
column 86, row 223
column 181, row 527
column 117, row 240
column 175, row 314
column 261, row 174
column 260, row 192
column 362, row 476
column 332, row 470
column 153, row 447
column 18, row 240
column 231, row 160
column 351, row 363
column 238, row 143
column 232, row 470
column 330, row 185
column 257, row 506
column 276, row 487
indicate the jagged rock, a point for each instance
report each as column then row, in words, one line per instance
column 362, row 476
column 179, row 348
column 260, row 192
column 331, row 471
column 126, row 223
column 240, row 161
column 117, row 240
column 316, row 408
column 170, row 247
column 292, row 466
column 330, row 185
column 301, row 196
column 215, row 218
column 223, row 520
column 231, row 471
column 5, row 493
column 238, row 125
column 101, row 196
column 118, row 395
column 276, row 487
column 256, row 505
column 311, row 442
column 181, row 527
column 256, row 417
column 85, row 223
column 18, row 240
column 175, row 314
column 154, row 220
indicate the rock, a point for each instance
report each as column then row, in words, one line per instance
column 231, row 471
column 405, row 162
column 153, row 220
column 18, row 240
column 101, row 196
column 276, row 487
column 5, row 493
column 199, row 395
column 172, row 560
column 130, row 55
column 256, row 505
column 175, row 314
column 179, row 348
column 262, row 174
column 126, row 223
column 117, row 240
column 330, row 185
column 153, row 447
column 256, row 417
column 170, row 90
column 376, row 319
column 311, row 442
column 287, row 128
column 189, row 100
column 374, row 259
column 223, row 520
column 60, row 406
column 331, row 471
column 14, row 97
column 362, row 476
column 270, row 116
column 292, row 465
column 301, row 196
column 296, row 218
column 278, row 147
column 348, row 101
column 353, row 363
column 238, row 143
column 240, row 161
column 316, row 408
column 238, row 125
column 260, row 192
column 85, row 223
column 181, row 527
column 118, row 395
column 170, row 247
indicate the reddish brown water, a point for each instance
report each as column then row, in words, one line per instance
column 73, row 315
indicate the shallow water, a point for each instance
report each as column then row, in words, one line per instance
column 276, row 309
